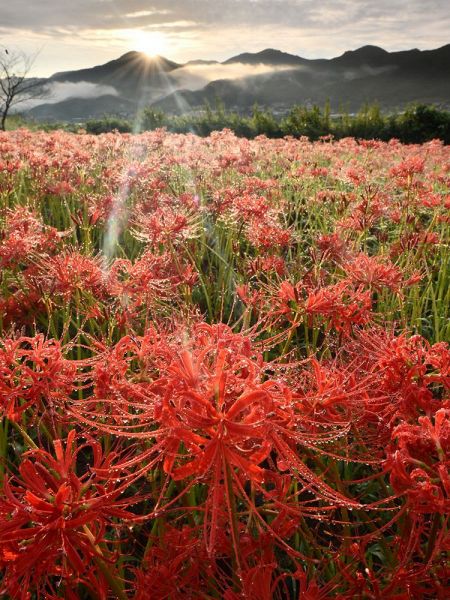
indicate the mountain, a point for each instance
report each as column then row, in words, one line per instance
column 131, row 74
column 80, row 109
column 373, row 56
column 267, row 57
column 271, row 78
column 367, row 74
column 280, row 90
column 132, row 64
column 417, row 61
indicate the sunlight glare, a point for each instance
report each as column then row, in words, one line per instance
column 152, row 43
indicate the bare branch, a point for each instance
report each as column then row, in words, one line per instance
column 15, row 84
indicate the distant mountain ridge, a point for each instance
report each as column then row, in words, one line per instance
column 131, row 75
column 271, row 78
column 268, row 56
column 135, row 63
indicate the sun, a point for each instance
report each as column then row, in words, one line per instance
column 151, row 43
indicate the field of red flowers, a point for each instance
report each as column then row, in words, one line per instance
column 224, row 368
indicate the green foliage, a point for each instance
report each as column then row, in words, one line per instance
column 152, row 119
column 108, row 124
column 421, row 123
column 264, row 123
column 19, row 121
column 368, row 123
column 417, row 124
column 305, row 121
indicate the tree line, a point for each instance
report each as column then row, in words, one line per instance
column 416, row 124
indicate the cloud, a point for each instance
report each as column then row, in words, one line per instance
column 116, row 14
column 190, row 77
column 146, row 13
column 194, row 77
column 59, row 91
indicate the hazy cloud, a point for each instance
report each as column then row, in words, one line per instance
column 82, row 89
column 107, row 14
column 190, row 77
column 194, row 77
column 58, row 91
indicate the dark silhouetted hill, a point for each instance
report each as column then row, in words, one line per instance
column 367, row 74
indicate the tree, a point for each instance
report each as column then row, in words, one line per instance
column 15, row 85
column 152, row 119
column 264, row 123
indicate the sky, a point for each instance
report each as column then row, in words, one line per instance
column 72, row 34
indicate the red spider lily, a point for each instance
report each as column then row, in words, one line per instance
column 176, row 565
column 343, row 305
column 33, row 373
column 409, row 167
column 333, row 247
column 190, row 403
column 251, row 199
column 402, row 583
column 330, row 392
column 267, row 235
column 408, row 370
column 419, row 467
column 248, row 205
column 122, row 380
column 251, row 298
column 23, row 236
column 60, row 188
column 52, row 521
column 213, row 419
column 254, row 455
column 262, row 581
column 408, row 241
column 165, row 225
column 383, row 381
column 371, row 272
column 151, row 278
column 267, row 264
column 364, row 215
column 257, row 584
column 21, row 307
column 73, row 273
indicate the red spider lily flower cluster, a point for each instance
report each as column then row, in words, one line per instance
column 34, row 373
column 53, row 521
column 24, row 235
column 224, row 368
